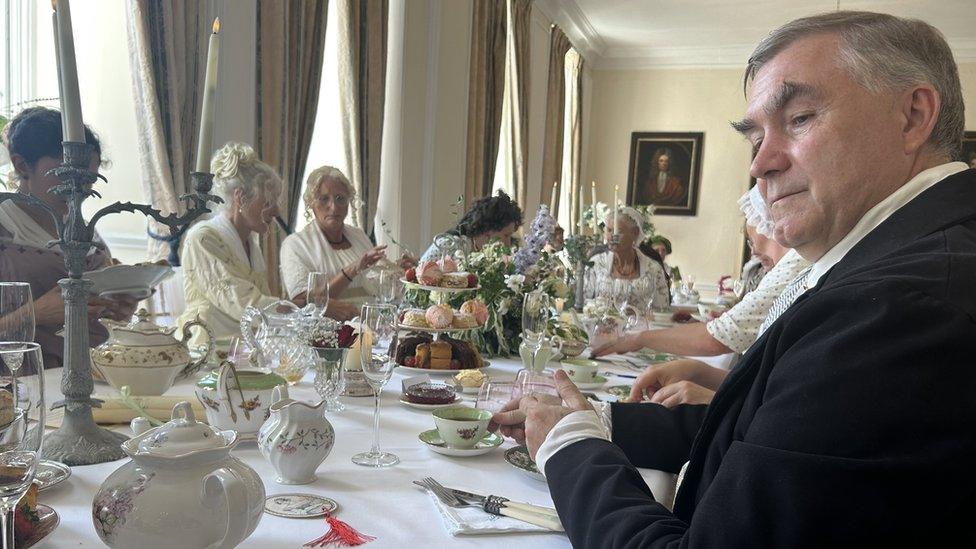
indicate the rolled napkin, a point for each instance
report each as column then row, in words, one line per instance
column 114, row 411
column 463, row 521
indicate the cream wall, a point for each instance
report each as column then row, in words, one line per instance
column 709, row 244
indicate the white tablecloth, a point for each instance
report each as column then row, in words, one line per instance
column 380, row 502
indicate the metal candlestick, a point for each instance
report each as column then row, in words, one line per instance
column 79, row 441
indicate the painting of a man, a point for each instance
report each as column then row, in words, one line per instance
column 664, row 171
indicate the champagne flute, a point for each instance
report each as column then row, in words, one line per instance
column 16, row 315
column 317, row 292
column 536, row 308
column 21, row 426
column 387, row 285
column 378, row 336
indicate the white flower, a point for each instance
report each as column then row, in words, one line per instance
column 503, row 305
column 514, row 282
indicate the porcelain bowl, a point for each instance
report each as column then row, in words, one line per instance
column 142, row 381
column 138, row 280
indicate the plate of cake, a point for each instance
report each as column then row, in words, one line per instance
column 442, row 318
column 429, row 396
column 440, row 276
column 420, row 353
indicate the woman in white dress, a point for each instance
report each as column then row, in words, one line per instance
column 330, row 246
column 625, row 261
column 223, row 267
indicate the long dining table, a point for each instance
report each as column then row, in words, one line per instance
column 380, row 502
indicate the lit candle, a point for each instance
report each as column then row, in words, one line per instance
column 64, row 47
column 205, row 141
column 616, row 189
column 552, row 199
column 593, row 204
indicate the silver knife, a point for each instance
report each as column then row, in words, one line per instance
column 506, row 502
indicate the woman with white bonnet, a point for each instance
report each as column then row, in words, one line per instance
column 331, row 246
column 738, row 328
column 223, row 266
column 625, row 261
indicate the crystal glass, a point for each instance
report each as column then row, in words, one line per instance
column 535, row 383
column 330, row 377
column 378, row 336
column 494, row 395
column 317, row 292
column 21, row 425
column 536, row 312
column 16, row 315
column 386, row 285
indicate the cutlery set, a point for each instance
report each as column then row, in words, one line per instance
column 544, row 517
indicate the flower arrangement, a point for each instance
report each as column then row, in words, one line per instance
column 539, row 233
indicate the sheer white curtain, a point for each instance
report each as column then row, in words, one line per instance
column 569, row 187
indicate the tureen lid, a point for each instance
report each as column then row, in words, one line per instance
column 181, row 435
column 250, row 380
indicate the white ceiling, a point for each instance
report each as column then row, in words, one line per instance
column 722, row 33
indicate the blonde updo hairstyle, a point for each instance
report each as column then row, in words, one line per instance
column 314, row 181
column 236, row 166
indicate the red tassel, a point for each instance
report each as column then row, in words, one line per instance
column 341, row 534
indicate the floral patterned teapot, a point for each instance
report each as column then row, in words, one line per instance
column 141, row 343
column 182, row 488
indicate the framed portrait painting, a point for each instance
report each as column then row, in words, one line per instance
column 665, row 171
column 969, row 149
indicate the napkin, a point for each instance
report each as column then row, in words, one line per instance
column 464, row 521
column 114, row 411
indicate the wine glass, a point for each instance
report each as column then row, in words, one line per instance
column 317, row 292
column 16, row 315
column 536, row 310
column 21, row 426
column 378, row 336
column 386, row 288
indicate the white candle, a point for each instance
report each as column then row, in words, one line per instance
column 73, row 128
column 593, row 204
column 552, row 199
column 205, row 141
column 616, row 189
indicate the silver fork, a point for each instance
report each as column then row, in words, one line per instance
column 453, row 500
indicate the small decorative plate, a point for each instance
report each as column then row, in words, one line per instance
column 299, row 505
column 433, row 441
column 656, row 358
column 518, row 457
column 417, row 405
column 405, row 370
column 49, row 473
column 597, row 382
column 620, row 391
column 48, row 520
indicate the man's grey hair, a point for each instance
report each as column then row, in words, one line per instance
column 883, row 53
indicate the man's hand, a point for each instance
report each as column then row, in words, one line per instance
column 659, row 376
column 536, row 415
column 682, row 392
column 626, row 344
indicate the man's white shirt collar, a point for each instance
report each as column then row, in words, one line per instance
column 881, row 211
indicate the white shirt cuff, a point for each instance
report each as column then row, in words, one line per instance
column 573, row 428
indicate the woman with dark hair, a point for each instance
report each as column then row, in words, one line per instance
column 488, row 218
column 33, row 140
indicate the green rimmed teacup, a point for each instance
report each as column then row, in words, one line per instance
column 580, row 370
column 461, row 427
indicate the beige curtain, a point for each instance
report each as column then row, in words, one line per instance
column 486, row 86
column 167, row 53
column 518, row 18
column 569, row 181
column 552, row 159
column 362, row 32
column 290, row 46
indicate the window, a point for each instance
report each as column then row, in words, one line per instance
column 17, row 56
column 568, row 180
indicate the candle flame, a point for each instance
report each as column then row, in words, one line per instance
column 216, row 25
column 593, row 183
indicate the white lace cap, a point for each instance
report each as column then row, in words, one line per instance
column 757, row 213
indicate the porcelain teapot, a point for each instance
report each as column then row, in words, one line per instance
column 296, row 439
column 144, row 344
column 277, row 333
column 182, row 488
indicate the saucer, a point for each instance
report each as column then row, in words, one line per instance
column 598, row 381
column 49, row 473
column 518, row 457
column 299, row 505
column 620, row 391
column 48, row 520
column 417, row 405
column 433, row 441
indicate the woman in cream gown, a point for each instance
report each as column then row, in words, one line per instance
column 223, row 267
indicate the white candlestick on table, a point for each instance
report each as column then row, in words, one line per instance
column 205, row 141
column 616, row 189
column 593, row 204
column 552, row 199
column 72, row 126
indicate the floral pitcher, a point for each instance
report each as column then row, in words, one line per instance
column 296, row 439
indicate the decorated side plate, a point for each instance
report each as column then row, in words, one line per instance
column 417, row 405
column 518, row 457
column 299, row 505
column 433, row 441
column 406, row 370
column 620, row 391
column 598, row 381
column 48, row 520
column 418, row 286
column 49, row 473
column 655, row 357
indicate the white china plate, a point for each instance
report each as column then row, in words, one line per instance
column 128, row 279
column 518, row 457
column 419, row 286
column 412, row 370
column 431, row 439
column 599, row 381
column 299, row 505
column 418, row 406
column 50, row 473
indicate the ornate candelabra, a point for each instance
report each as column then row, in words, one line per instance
column 79, row 441
column 581, row 248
